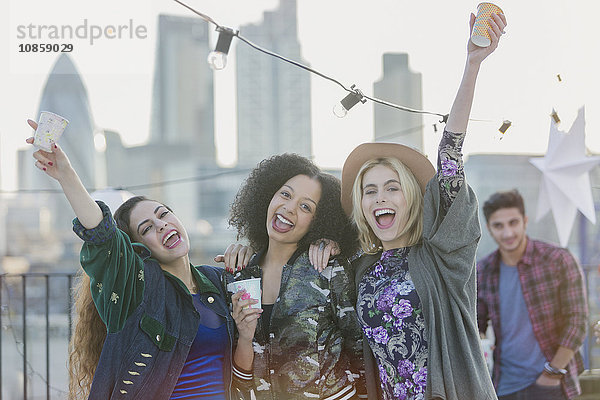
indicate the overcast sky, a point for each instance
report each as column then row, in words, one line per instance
column 344, row 39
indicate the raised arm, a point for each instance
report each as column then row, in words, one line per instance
column 56, row 165
column 450, row 163
column 461, row 108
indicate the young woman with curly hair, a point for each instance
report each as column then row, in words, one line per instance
column 308, row 342
column 150, row 325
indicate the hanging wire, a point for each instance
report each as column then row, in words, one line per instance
column 400, row 133
column 141, row 186
column 312, row 70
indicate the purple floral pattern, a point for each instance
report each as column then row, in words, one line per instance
column 450, row 174
column 390, row 313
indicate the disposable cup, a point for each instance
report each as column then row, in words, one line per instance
column 50, row 127
column 480, row 35
column 252, row 287
column 487, row 346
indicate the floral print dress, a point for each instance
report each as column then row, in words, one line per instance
column 389, row 307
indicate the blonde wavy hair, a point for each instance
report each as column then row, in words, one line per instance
column 87, row 340
column 413, row 229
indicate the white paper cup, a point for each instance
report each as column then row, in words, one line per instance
column 50, row 127
column 252, row 287
column 487, row 345
column 480, row 35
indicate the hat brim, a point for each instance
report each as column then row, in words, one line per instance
column 416, row 162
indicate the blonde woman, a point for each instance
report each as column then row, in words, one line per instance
column 415, row 281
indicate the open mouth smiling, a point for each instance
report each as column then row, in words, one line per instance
column 281, row 224
column 384, row 217
column 171, row 239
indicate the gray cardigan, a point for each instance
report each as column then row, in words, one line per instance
column 443, row 270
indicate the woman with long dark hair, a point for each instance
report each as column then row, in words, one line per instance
column 150, row 325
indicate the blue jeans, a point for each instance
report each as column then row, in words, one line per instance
column 536, row 392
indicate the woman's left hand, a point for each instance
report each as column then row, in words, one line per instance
column 320, row 252
column 236, row 257
column 478, row 54
column 245, row 317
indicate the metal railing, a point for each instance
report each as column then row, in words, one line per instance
column 38, row 306
column 35, row 318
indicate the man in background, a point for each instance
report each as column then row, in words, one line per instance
column 534, row 295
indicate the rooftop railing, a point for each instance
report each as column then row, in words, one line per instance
column 35, row 328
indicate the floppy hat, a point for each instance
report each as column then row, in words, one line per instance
column 416, row 162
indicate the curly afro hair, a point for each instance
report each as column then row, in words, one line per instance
column 249, row 209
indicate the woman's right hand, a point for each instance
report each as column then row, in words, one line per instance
column 245, row 317
column 55, row 164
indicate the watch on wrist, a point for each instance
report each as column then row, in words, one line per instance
column 554, row 372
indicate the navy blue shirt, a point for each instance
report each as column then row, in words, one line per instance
column 522, row 360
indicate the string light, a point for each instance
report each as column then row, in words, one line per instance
column 217, row 59
column 341, row 109
column 353, row 92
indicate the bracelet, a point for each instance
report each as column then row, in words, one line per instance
column 554, row 371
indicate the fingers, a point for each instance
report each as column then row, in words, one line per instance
column 503, row 19
column 495, row 25
column 312, row 255
column 43, row 157
column 324, row 257
column 242, row 307
column 227, row 257
column 471, row 22
column 249, row 251
column 32, row 124
column 335, row 249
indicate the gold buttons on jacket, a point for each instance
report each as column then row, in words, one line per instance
column 211, row 299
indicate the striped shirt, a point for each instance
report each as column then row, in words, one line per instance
column 554, row 292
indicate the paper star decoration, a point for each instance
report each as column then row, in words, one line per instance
column 565, row 186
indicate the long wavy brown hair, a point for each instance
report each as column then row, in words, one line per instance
column 87, row 340
column 90, row 331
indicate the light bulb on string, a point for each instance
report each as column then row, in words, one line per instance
column 341, row 109
column 217, row 59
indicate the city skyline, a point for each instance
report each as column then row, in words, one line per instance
column 519, row 82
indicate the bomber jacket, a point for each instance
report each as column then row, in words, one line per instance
column 314, row 346
column 149, row 337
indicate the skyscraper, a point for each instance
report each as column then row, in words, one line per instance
column 273, row 97
column 401, row 86
column 182, row 99
column 64, row 94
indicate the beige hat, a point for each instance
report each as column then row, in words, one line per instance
column 416, row 162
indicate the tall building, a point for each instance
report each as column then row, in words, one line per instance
column 401, row 86
column 182, row 99
column 273, row 97
column 64, row 94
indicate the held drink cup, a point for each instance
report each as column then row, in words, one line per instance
column 480, row 35
column 50, row 127
column 252, row 287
